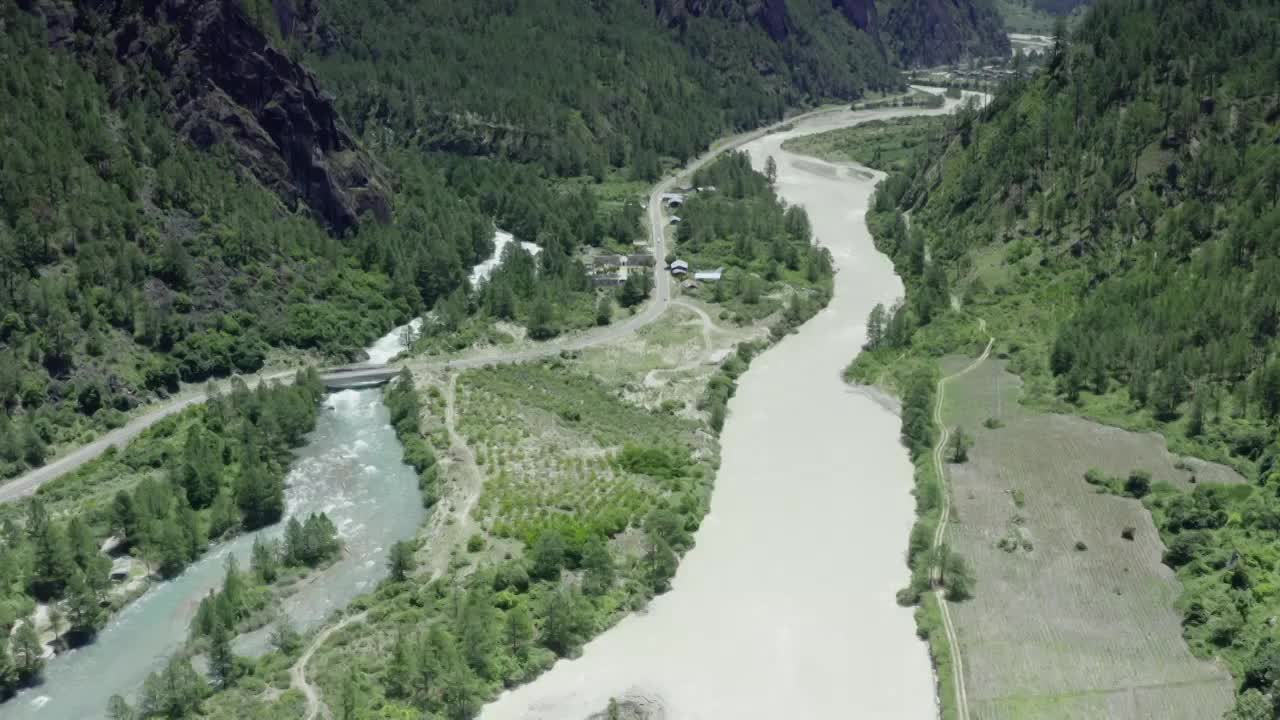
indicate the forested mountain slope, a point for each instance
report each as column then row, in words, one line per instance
column 130, row 259
column 581, row 86
column 937, row 32
column 179, row 194
column 1115, row 221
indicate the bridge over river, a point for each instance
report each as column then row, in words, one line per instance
column 358, row 376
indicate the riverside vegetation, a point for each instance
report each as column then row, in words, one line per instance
column 192, row 479
column 1108, row 218
column 132, row 262
column 591, row 493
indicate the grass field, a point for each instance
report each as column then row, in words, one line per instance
column 882, row 144
column 1068, row 619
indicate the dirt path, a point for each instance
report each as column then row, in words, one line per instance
column 298, row 673
column 651, row 377
column 957, row 659
column 441, row 535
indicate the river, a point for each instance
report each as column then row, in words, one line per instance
column 785, row 608
column 350, row 467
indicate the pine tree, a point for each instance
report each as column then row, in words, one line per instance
column 399, row 673
column 597, row 563
column 959, row 446
column 221, row 658
column 542, row 319
column 84, row 608
column 564, row 622
column 284, row 636
column 1195, row 422
column 401, row 562
column 264, row 560
column 875, row 327
column 519, row 632
column 53, row 562
column 660, row 564
column 604, row 310
column 28, row 654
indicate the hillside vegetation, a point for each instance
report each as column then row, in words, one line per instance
column 130, row 261
column 1113, row 220
column 611, row 86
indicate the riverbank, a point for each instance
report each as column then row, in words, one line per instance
column 815, row 464
column 349, row 468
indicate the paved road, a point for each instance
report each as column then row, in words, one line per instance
column 29, row 483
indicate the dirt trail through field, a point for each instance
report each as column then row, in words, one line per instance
column 298, row 673
column 451, row 523
column 944, row 436
column 651, row 377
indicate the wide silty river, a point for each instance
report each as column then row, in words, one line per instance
column 350, row 468
column 785, row 607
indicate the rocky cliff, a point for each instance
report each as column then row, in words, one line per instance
column 914, row 32
column 938, row 32
column 769, row 14
column 223, row 84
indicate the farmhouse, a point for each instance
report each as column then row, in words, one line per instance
column 610, row 280
column 672, row 199
column 679, row 267
column 603, row 261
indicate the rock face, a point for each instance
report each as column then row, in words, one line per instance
column 227, row 86
column 915, row 32
column 769, row 14
column 939, row 32
column 862, row 13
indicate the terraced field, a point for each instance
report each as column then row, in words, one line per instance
column 1069, row 619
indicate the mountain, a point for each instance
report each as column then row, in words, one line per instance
column 614, row 81
column 140, row 241
column 192, row 186
column 939, row 32
column 1115, row 221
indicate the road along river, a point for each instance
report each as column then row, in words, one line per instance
column 350, row 468
column 785, row 608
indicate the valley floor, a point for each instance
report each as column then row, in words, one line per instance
column 1069, row 619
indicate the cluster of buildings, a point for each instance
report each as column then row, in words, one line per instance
column 612, row 270
column 680, row 270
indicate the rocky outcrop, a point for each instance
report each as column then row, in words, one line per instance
column 862, row 13
column 225, row 85
column 911, row 32
column 769, row 14
column 940, row 32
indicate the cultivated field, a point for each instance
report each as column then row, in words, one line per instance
column 545, row 437
column 1057, row 629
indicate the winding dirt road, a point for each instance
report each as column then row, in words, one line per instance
column 957, row 659
column 298, row 673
